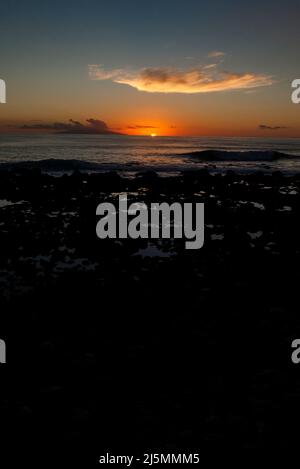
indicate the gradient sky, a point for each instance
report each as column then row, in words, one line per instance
column 150, row 67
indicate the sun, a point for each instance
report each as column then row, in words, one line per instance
column 153, row 135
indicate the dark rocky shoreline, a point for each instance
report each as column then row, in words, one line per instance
column 113, row 344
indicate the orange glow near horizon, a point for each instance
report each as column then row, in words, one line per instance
column 155, row 129
column 162, row 125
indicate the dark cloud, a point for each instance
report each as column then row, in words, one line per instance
column 269, row 127
column 142, row 127
column 93, row 126
column 99, row 125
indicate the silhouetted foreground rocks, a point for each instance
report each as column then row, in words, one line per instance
column 141, row 344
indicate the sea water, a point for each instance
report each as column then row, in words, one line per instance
column 137, row 153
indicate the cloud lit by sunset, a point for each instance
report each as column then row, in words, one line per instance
column 167, row 80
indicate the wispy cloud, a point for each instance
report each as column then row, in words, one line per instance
column 206, row 67
column 169, row 80
column 216, row 54
column 269, row 127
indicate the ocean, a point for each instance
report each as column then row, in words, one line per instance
column 137, row 153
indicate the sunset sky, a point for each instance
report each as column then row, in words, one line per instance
column 166, row 67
